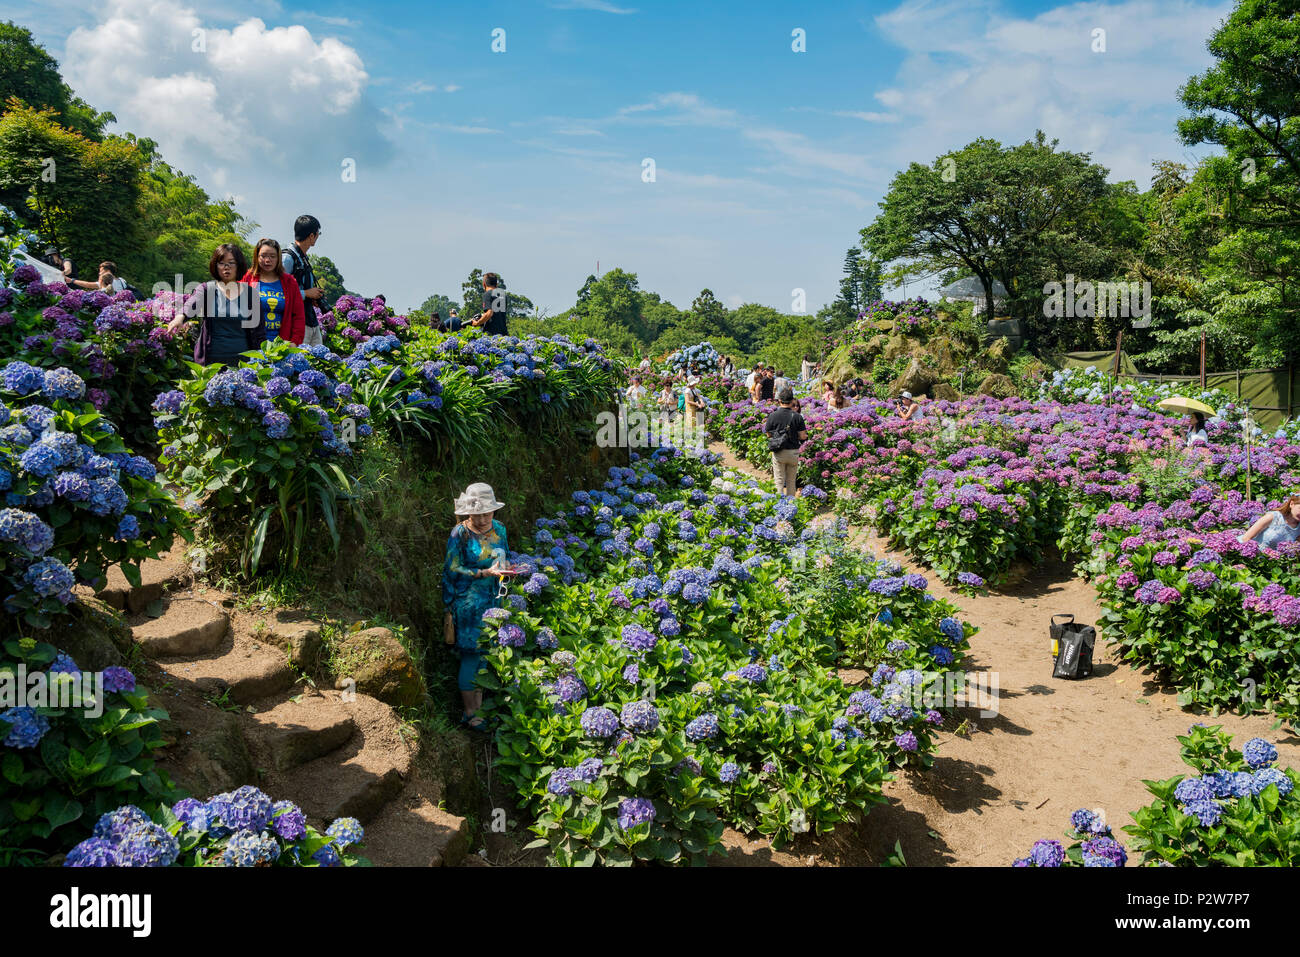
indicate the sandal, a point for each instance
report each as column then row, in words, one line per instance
column 477, row 723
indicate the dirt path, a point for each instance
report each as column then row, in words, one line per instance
column 1053, row 747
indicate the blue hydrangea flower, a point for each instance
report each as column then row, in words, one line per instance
column 288, row 821
column 635, row 811
column 1266, row 776
column 114, row 825
column 703, row 728
column 1258, row 753
column 346, row 831
column 249, row 849
column 148, row 845
column 1207, row 813
column 729, row 772
column 640, row 716
column 1047, row 853
column 26, row 727
column 246, row 809
column 598, row 722
column 93, row 852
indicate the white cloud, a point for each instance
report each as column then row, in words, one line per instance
column 419, row 86
column 212, row 96
column 866, row 116
column 450, row 88
column 459, row 128
column 972, row 69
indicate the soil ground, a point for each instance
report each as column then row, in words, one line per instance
column 1053, row 746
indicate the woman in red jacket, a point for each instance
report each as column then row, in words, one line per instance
column 283, row 315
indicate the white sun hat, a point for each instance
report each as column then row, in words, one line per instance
column 906, row 395
column 478, row 499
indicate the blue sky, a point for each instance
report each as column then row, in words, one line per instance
column 767, row 161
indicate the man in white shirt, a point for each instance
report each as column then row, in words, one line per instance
column 751, row 380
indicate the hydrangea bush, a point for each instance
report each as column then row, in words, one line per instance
column 355, row 319
column 241, row 828
column 699, row 359
column 1237, row 810
column 260, row 446
column 667, row 668
column 75, row 498
column 61, row 769
column 122, row 349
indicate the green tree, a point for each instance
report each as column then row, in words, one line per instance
column 1022, row 215
column 711, row 314
column 471, row 294
column 329, row 279
column 1248, row 103
column 443, row 305
column 82, row 195
column 180, row 223
column 29, row 73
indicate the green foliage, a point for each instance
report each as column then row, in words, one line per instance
column 1257, row 829
column 797, row 767
column 1248, row 103
column 1022, row 215
column 85, row 528
column 266, row 482
column 182, row 223
column 82, row 195
column 52, row 793
column 29, row 73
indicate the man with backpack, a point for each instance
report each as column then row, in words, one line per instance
column 786, row 431
column 306, row 230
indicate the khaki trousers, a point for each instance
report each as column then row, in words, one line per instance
column 785, row 469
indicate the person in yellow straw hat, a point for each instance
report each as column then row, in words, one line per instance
column 476, row 554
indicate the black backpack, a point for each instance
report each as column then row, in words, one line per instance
column 1072, row 645
column 777, row 438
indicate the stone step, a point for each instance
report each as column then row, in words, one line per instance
column 412, row 831
column 247, row 674
column 187, row 627
column 302, row 730
column 358, row 779
column 157, row 577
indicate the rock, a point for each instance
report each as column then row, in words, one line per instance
column 916, row 379
column 944, row 392
column 896, row 346
column 380, row 668
column 157, row 576
column 216, row 760
column 297, row 732
column 187, row 628
column 265, row 677
column 995, row 356
column 998, row 386
column 95, row 635
column 946, row 355
column 457, row 764
column 299, row 636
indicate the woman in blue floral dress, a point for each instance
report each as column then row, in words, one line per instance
column 470, row 581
